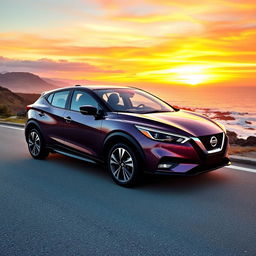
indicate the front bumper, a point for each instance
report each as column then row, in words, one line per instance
column 186, row 160
column 184, row 169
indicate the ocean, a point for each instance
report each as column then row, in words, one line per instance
column 239, row 103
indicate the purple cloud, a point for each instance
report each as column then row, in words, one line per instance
column 44, row 65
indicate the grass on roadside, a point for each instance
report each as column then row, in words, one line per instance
column 13, row 120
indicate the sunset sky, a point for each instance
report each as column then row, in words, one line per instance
column 154, row 42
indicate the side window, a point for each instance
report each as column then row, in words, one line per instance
column 60, row 98
column 81, row 98
column 49, row 98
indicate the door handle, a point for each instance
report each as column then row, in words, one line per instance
column 41, row 114
column 68, row 119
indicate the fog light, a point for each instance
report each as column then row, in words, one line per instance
column 165, row 165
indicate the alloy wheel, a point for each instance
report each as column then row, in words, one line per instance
column 121, row 165
column 34, row 143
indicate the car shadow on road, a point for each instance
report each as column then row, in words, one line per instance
column 161, row 183
column 79, row 165
column 185, row 183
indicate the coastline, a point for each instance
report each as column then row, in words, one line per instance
column 241, row 126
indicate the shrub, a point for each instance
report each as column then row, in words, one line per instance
column 21, row 114
column 4, row 111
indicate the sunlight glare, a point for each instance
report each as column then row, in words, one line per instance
column 192, row 75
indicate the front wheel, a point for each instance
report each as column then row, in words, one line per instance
column 123, row 165
column 36, row 145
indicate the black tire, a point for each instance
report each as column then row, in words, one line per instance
column 129, row 165
column 36, row 145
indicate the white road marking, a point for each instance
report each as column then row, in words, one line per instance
column 12, row 127
column 240, row 168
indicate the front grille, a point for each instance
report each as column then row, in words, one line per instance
column 216, row 139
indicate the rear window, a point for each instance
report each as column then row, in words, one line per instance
column 59, row 99
column 49, row 98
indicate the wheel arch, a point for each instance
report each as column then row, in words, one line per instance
column 122, row 137
column 30, row 125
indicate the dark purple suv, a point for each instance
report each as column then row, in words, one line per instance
column 128, row 129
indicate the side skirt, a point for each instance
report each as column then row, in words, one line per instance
column 74, row 154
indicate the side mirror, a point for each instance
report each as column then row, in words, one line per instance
column 88, row 110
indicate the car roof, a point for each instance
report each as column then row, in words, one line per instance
column 91, row 87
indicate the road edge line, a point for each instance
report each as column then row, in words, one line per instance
column 241, row 168
column 12, row 124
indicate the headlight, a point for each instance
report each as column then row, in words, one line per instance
column 161, row 135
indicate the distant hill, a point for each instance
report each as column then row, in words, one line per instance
column 16, row 102
column 57, row 82
column 25, row 82
column 28, row 98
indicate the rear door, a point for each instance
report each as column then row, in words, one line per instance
column 56, row 125
column 83, row 132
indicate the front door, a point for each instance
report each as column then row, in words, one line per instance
column 83, row 131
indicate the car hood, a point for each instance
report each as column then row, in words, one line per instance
column 186, row 121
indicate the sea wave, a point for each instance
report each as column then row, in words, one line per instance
column 242, row 123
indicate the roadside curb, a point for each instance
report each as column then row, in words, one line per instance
column 13, row 124
column 243, row 160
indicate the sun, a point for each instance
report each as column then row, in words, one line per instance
column 194, row 79
column 192, row 75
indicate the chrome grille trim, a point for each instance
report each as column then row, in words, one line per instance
column 201, row 145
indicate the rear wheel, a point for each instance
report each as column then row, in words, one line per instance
column 123, row 165
column 36, row 144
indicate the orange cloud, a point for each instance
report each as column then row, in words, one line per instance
column 136, row 42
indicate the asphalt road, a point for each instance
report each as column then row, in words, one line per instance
column 62, row 206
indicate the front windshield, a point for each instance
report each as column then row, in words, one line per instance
column 132, row 101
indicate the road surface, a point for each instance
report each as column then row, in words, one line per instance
column 62, row 206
